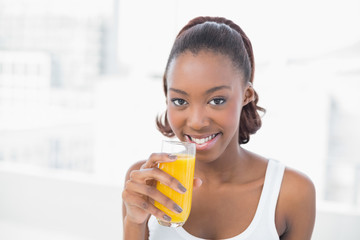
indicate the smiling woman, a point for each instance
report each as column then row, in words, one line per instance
column 211, row 102
column 237, row 48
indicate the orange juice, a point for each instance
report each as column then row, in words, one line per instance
column 183, row 170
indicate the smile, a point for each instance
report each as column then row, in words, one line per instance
column 203, row 142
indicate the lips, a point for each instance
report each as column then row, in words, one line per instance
column 203, row 142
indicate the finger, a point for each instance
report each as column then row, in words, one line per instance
column 154, row 194
column 134, row 200
column 156, row 158
column 144, row 175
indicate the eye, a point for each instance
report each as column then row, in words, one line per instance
column 178, row 102
column 217, row 101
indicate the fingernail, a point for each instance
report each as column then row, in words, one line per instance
column 172, row 156
column 182, row 188
column 177, row 208
column 167, row 218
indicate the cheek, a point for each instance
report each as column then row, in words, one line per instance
column 175, row 119
column 231, row 117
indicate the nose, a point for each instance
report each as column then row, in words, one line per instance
column 198, row 118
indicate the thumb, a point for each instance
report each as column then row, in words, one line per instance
column 197, row 182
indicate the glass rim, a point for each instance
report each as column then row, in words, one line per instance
column 178, row 142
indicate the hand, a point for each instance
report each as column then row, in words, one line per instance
column 140, row 190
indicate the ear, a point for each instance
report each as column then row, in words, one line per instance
column 249, row 94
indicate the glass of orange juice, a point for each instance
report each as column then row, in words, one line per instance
column 183, row 170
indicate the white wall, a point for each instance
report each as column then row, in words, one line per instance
column 58, row 206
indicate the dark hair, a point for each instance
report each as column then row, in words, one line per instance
column 222, row 36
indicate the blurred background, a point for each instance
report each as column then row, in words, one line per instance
column 80, row 87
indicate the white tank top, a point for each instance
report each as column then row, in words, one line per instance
column 261, row 227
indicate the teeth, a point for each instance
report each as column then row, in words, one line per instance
column 202, row 140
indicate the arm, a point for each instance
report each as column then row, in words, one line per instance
column 297, row 200
column 133, row 230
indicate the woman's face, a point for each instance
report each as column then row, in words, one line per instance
column 205, row 96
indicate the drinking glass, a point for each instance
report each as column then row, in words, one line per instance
column 183, row 170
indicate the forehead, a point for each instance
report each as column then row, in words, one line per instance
column 203, row 69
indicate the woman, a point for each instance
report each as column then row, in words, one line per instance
column 211, row 102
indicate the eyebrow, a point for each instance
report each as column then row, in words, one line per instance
column 211, row 90
column 179, row 91
column 214, row 89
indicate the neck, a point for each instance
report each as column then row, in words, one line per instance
column 227, row 168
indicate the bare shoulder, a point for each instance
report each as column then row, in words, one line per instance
column 296, row 204
column 297, row 186
column 135, row 166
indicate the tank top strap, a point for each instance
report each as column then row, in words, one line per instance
column 270, row 194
